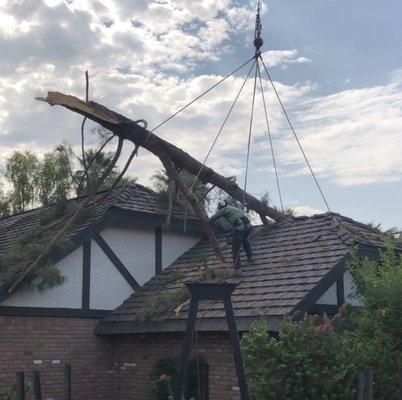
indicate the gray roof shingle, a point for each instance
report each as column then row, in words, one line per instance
column 290, row 258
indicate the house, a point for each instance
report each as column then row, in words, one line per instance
column 109, row 257
column 123, row 266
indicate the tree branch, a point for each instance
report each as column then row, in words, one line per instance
column 128, row 129
column 69, row 222
column 174, row 175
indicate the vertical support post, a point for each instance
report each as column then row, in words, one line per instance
column 86, row 275
column 20, row 386
column 67, row 382
column 211, row 291
column 400, row 384
column 185, row 354
column 340, row 291
column 370, row 384
column 238, row 359
column 158, row 250
column 360, row 385
column 36, row 385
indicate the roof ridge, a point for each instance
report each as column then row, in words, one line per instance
column 339, row 230
column 79, row 197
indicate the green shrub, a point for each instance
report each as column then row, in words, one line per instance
column 320, row 358
column 309, row 361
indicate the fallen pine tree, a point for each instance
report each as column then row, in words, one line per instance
column 173, row 159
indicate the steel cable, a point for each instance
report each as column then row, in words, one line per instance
column 294, row 133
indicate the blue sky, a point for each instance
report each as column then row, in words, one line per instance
column 337, row 65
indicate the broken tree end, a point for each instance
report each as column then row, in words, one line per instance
column 90, row 110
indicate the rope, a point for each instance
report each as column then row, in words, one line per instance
column 222, row 126
column 249, row 136
column 201, row 95
column 270, row 137
column 295, row 135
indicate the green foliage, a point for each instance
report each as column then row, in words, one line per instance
column 161, row 184
column 53, row 180
column 380, row 286
column 393, row 234
column 23, row 252
column 320, row 359
column 309, row 361
column 101, row 162
column 376, row 328
column 163, row 305
column 164, row 374
column 5, row 205
column 28, row 247
column 21, row 172
column 47, row 182
column 35, row 181
column 12, row 393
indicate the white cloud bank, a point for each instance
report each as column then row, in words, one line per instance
column 137, row 52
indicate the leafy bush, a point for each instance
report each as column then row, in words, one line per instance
column 376, row 329
column 320, row 358
column 309, row 361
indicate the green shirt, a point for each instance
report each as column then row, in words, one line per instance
column 226, row 217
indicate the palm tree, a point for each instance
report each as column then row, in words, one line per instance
column 161, row 186
column 99, row 162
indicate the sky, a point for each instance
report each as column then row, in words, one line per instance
column 337, row 65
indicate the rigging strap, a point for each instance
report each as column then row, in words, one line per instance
column 270, row 137
column 201, row 95
column 222, row 126
column 294, row 134
column 249, row 135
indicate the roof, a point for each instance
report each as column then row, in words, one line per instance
column 129, row 200
column 292, row 258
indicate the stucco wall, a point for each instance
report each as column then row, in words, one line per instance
column 108, row 287
column 68, row 295
column 175, row 244
column 330, row 296
column 135, row 247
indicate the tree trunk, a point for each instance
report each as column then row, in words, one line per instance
column 128, row 129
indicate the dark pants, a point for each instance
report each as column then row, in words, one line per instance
column 241, row 232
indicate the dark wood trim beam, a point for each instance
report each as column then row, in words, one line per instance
column 158, row 250
column 116, row 262
column 340, row 290
column 86, row 274
column 52, row 312
column 322, row 286
column 328, row 309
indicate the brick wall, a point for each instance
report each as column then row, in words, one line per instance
column 136, row 355
column 45, row 344
column 112, row 368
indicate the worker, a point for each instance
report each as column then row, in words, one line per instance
column 233, row 220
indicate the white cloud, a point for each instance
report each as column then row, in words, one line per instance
column 353, row 137
column 136, row 52
column 283, row 58
column 306, row 210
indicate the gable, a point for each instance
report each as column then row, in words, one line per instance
column 107, row 268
